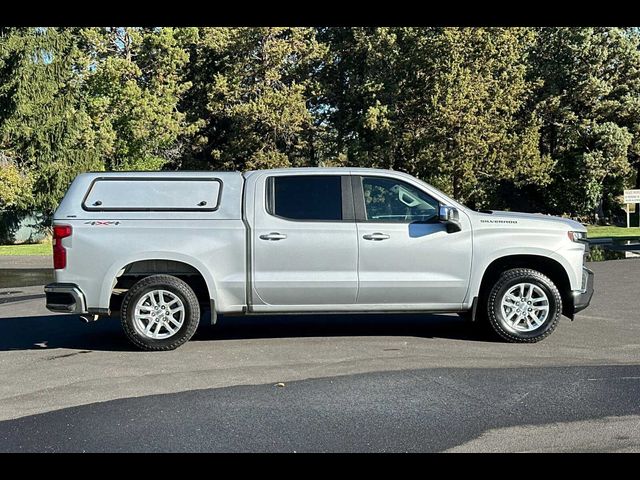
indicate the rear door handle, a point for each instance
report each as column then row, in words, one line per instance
column 376, row 236
column 273, row 236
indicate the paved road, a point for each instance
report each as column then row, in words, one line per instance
column 406, row 411
column 364, row 383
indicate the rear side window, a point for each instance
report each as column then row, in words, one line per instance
column 305, row 197
column 153, row 194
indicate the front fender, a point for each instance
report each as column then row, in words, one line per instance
column 480, row 267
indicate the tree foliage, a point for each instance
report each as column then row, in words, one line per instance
column 44, row 124
column 133, row 83
column 588, row 105
column 249, row 97
column 81, row 99
column 544, row 119
column 15, row 186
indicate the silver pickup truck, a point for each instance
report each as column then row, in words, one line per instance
column 161, row 248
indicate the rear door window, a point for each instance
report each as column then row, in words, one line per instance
column 305, row 197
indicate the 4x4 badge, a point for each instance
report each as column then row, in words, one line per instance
column 102, row 222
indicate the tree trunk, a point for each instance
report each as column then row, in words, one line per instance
column 457, row 183
column 313, row 161
column 600, row 217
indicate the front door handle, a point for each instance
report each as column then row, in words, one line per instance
column 273, row 236
column 376, row 236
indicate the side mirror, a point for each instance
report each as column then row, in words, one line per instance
column 451, row 218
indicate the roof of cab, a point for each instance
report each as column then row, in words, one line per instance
column 201, row 173
column 336, row 170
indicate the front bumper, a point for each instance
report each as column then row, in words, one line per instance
column 582, row 298
column 65, row 298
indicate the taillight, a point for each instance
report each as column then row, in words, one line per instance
column 59, row 252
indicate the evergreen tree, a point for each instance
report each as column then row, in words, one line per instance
column 588, row 104
column 531, row 118
column 446, row 104
column 133, row 83
column 44, row 124
column 249, row 97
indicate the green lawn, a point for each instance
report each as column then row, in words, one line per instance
column 594, row 231
column 34, row 249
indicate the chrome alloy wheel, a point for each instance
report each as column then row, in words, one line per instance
column 158, row 314
column 525, row 307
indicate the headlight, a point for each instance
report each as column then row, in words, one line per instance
column 577, row 236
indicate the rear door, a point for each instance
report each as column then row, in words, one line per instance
column 304, row 242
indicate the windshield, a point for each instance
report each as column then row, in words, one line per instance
column 450, row 200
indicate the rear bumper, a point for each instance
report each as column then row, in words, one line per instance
column 65, row 298
column 582, row 298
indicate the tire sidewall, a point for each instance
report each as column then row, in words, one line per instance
column 182, row 291
column 495, row 311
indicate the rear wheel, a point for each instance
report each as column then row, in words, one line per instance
column 160, row 312
column 524, row 306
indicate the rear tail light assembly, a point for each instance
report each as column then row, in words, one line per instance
column 59, row 252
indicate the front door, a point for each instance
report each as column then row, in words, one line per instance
column 406, row 256
column 305, row 247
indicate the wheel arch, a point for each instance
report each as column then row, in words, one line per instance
column 541, row 263
column 187, row 268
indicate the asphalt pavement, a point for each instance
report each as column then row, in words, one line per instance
column 351, row 382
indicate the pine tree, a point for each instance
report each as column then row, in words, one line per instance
column 446, row 104
column 44, row 124
column 249, row 97
column 133, row 83
column 588, row 104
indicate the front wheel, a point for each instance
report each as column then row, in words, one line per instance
column 160, row 312
column 524, row 306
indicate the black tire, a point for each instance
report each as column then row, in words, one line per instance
column 507, row 280
column 178, row 288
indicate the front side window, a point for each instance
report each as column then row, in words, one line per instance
column 388, row 200
column 305, row 197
